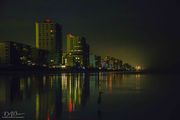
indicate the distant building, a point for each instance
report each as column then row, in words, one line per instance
column 95, row 61
column 92, row 61
column 112, row 63
column 118, row 64
column 49, row 37
column 107, row 62
column 13, row 53
column 127, row 67
column 77, row 51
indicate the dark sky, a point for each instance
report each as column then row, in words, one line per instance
column 144, row 32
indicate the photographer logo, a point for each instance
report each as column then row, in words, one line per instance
column 12, row 114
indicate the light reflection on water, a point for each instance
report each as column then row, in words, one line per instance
column 84, row 96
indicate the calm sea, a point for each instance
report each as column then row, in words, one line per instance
column 90, row 96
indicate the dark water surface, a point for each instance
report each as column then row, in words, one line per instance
column 90, row 96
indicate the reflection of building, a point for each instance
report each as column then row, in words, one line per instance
column 108, row 81
column 54, row 92
column 77, row 51
column 14, row 90
column 13, row 53
column 76, row 91
column 48, row 98
column 4, row 92
column 49, row 37
column 45, row 95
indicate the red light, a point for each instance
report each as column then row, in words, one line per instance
column 48, row 117
column 48, row 20
column 70, row 106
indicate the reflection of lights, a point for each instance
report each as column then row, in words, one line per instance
column 64, row 81
column 110, row 84
column 22, row 84
column 70, row 106
column 138, row 85
column 74, row 91
column 51, row 81
column 29, row 81
column 138, row 75
column 79, row 93
column 37, row 106
column 3, row 92
column 48, row 116
column 44, row 80
column 70, row 85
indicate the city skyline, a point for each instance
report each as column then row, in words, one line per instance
column 137, row 32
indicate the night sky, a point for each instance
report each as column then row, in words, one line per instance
column 143, row 32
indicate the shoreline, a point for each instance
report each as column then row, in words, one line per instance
column 38, row 70
column 44, row 70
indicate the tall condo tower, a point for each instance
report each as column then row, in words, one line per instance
column 49, row 37
column 78, row 50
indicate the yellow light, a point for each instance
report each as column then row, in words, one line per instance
column 37, row 106
column 70, row 35
column 22, row 85
column 138, row 67
column 63, row 66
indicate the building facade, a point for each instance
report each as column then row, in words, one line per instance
column 13, row 53
column 77, row 51
column 49, row 37
column 95, row 61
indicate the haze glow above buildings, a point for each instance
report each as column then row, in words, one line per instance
column 138, row 32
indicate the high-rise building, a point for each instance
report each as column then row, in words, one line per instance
column 49, row 37
column 77, row 51
column 13, row 53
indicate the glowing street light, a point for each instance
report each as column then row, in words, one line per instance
column 138, row 67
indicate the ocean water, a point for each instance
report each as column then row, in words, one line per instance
column 90, row 96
